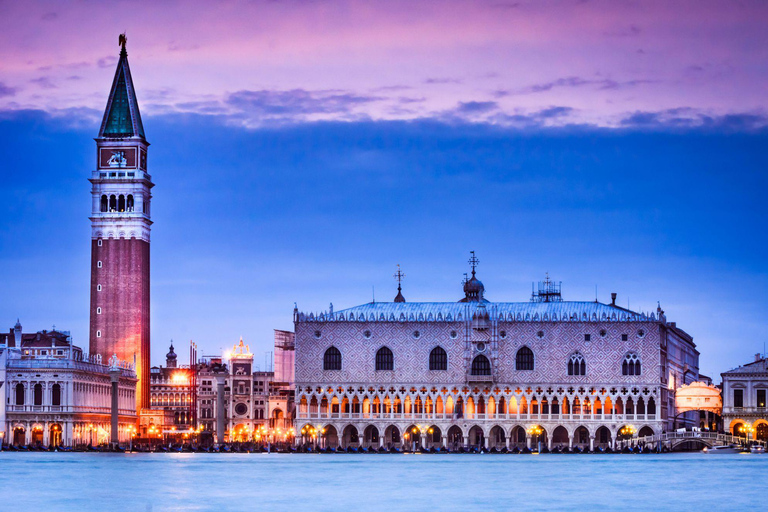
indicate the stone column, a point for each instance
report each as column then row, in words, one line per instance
column 570, row 442
column 114, row 374
column 485, row 442
column 220, row 423
column 528, row 440
column 591, row 443
column 466, row 441
column 445, row 441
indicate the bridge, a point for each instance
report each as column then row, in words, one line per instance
column 672, row 440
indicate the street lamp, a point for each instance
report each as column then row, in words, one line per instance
column 627, row 431
column 747, row 429
column 535, row 431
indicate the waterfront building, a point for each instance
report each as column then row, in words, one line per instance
column 54, row 395
column 258, row 405
column 120, row 226
column 744, row 399
column 172, row 388
column 476, row 373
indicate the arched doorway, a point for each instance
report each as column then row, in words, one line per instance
column 645, row 432
column 603, row 438
column 330, row 437
column 560, row 437
column 412, row 438
column 350, row 439
column 455, row 438
column 434, row 437
column 54, row 435
column 538, row 435
column 392, row 436
column 19, row 436
column 518, row 438
column 37, row 435
column 581, row 438
column 371, row 437
column 761, row 431
column 497, row 438
column 476, row 437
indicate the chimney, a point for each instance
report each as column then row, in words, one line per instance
column 613, row 298
column 758, row 357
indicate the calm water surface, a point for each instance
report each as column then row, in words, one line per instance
column 177, row 481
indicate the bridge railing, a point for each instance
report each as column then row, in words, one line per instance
column 715, row 438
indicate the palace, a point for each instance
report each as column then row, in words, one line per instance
column 54, row 395
column 481, row 374
column 744, row 399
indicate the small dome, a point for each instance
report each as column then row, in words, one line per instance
column 171, row 354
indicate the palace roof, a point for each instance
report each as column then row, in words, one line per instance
column 457, row 311
column 759, row 366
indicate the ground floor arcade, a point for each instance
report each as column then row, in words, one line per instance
column 453, row 436
column 56, row 431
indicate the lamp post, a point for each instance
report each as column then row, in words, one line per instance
column 627, row 430
column 747, row 429
column 535, row 431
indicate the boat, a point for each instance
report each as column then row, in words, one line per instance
column 757, row 448
column 727, row 449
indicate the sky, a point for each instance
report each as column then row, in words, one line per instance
column 302, row 149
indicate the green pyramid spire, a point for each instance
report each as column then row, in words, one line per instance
column 122, row 118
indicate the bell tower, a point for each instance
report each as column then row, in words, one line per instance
column 120, row 225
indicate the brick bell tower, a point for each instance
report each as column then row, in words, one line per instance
column 120, row 226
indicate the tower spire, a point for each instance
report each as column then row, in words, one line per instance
column 121, row 117
column 399, row 277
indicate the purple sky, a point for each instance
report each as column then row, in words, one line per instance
column 595, row 61
column 301, row 149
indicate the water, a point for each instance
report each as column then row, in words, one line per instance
column 392, row 483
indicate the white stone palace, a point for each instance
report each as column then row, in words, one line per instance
column 476, row 374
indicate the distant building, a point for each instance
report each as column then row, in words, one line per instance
column 172, row 389
column 494, row 374
column 54, row 395
column 257, row 406
column 744, row 398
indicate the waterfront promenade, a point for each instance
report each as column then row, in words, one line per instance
column 179, row 481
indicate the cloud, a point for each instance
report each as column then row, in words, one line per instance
column 44, row 82
column 7, row 91
column 476, row 107
column 575, row 81
column 689, row 118
column 442, row 81
column 296, row 102
column 107, row 62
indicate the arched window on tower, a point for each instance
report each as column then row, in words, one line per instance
column 121, row 203
column 104, row 203
column 481, row 365
column 631, row 365
column 56, row 395
column 129, row 203
column 384, row 359
column 332, row 359
column 524, row 359
column 438, row 359
column 19, row 394
column 577, row 365
column 113, row 203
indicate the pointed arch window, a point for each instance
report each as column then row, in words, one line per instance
column 631, row 365
column 438, row 359
column 385, row 361
column 332, row 359
column 524, row 359
column 577, row 365
column 481, row 365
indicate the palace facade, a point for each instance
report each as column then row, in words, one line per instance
column 482, row 374
column 54, row 395
column 744, row 399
